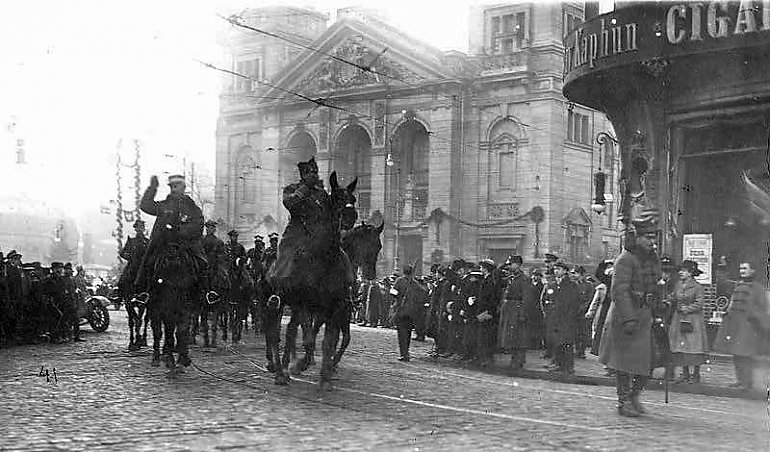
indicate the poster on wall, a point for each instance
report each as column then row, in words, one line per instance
column 698, row 248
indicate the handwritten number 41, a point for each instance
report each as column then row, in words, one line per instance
column 47, row 375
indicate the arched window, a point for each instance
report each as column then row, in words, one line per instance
column 505, row 138
column 246, row 173
column 506, row 151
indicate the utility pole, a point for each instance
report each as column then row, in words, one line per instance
column 137, row 182
column 119, row 199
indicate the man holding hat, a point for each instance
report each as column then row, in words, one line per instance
column 626, row 344
column 132, row 252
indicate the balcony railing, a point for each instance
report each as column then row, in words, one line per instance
column 507, row 62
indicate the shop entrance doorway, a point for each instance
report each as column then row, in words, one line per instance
column 718, row 200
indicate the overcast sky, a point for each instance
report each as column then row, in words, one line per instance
column 78, row 76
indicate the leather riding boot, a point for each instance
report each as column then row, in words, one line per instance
column 637, row 386
column 623, row 386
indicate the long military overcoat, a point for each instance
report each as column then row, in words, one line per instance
column 636, row 276
column 746, row 326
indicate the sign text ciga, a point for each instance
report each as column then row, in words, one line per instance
column 697, row 21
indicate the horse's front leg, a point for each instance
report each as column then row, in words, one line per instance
column 331, row 336
column 309, row 334
column 290, row 346
column 345, row 329
column 157, row 333
column 131, row 340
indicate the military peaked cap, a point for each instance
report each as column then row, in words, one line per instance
column 210, row 223
column 175, row 178
column 232, row 232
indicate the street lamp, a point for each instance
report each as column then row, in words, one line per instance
column 390, row 162
column 600, row 178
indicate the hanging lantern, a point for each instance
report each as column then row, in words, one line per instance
column 599, row 204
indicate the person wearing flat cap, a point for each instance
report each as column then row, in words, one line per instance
column 687, row 334
column 626, row 343
column 132, row 252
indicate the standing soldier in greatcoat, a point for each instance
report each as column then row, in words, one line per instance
column 626, row 344
column 561, row 299
column 745, row 327
column 487, row 307
column 513, row 331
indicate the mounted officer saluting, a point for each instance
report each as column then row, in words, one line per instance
column 173, row 267
column 179, row 220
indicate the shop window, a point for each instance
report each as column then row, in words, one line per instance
column 578, row 128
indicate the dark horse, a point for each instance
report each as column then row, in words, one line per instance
column 241, row 293
column 320, row 289
column 136, row 308
column 362, row 245
column 171, row 296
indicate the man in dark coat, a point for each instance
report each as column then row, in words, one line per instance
column 75, row 299
column 410, row 297
column 271, row 252
column 514, row 331
column 585, row 293
column 132, row 252
column 308, row 205
column 254, row 258
column 561, row 299
column 487, row 312
column 61, row 297
column 470, row 287
column 236, row 253
column 179, row 220
column 216, row 258
column 745, row 327
column 626, row 344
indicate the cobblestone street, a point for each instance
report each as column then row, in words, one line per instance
column 107, row 398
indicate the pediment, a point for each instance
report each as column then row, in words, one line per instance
column 394, row 59
column 577, row 217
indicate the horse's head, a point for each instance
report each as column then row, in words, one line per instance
column 343, row 201
column 363, row 245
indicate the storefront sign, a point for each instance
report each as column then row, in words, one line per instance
column 715, row 20
column 651, row 30
column 698, row 248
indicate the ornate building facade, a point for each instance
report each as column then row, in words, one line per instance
column 475, row 155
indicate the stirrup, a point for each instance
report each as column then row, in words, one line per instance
column 273, row 302
column 140, row 298
column 212, row 297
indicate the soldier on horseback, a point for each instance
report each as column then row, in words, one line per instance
column 257, row 272
column 176, row 235
column 133, row 253
column 218, row 281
